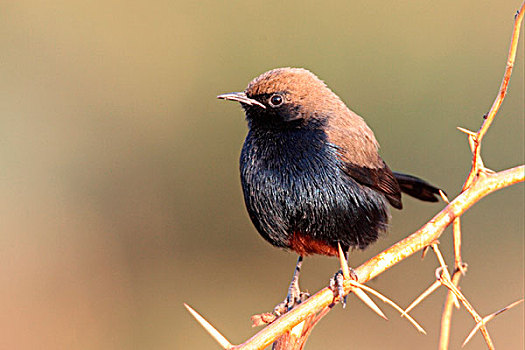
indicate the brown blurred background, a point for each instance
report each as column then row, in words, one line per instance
column 119, row 188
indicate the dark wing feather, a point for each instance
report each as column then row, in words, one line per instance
column 379, row 179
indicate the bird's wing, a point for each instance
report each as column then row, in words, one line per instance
column 357, row 148
column 380, row 179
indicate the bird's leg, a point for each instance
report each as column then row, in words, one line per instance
column 336, row 282
column 295, row 296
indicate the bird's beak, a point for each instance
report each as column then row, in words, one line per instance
column 242, row 98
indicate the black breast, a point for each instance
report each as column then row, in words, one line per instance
column 293, row 182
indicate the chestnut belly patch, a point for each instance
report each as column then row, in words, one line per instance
column 305, row 245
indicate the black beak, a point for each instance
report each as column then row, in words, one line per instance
column 242, row 98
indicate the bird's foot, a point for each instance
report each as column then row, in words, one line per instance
column 336, row 285
column 294, row 297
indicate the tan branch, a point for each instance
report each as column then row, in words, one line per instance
column 432, row 230
column 425, row 236
column 446, row 317
column 477, row 164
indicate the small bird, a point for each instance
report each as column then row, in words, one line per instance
column 311, row 174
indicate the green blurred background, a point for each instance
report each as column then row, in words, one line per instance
column 119, row 188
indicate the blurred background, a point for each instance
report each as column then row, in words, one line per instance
column 119, row 188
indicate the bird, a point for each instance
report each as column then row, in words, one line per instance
column 311, row 174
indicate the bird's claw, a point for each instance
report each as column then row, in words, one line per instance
column 294, row 297
column 336, row 285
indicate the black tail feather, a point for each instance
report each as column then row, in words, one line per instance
column 417, row 188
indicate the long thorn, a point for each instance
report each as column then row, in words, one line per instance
column 369, row 302
column 219, row 338
column 344, row 263
column 508, row 307
column 466, row 131
column 420, row 298
column 389, row 302
column 444, row 196
column 488, row 318
column 357, row 291
column 472, row 332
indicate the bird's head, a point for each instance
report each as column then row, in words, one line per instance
column 286, row 97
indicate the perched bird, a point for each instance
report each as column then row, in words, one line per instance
column 311, row 174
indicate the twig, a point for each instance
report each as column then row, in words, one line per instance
column 446, row 317
column 436, row 250
column 476, row 160
column 477, row 166
column 456, row 233
column 448, row 283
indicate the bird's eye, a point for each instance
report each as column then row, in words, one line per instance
column 276, row 100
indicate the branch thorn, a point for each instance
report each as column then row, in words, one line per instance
column 488, row 318
column 344, row 263
column 388, row 301
column 466, row 131
column 219, row 338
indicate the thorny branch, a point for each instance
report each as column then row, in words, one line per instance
column 292, row 329
column 477, row 168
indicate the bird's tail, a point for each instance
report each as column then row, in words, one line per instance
column 417, row 188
